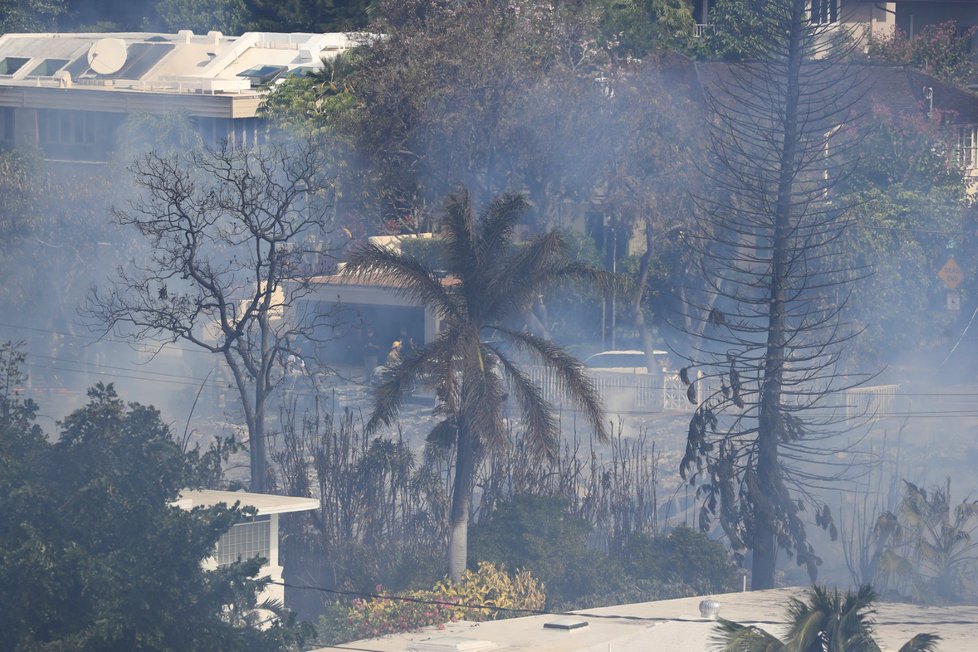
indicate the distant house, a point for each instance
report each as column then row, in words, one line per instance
column 863, row 17
column 378, row 305
column 915, row 15
column 67, row 94
column 255, row 537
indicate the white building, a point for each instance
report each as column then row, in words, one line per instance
column 255, row 537
column 67, row 94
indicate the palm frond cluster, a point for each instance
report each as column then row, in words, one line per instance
column 827, row 621
column 487, row 284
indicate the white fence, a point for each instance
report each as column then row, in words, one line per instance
column 650, row 393
column 875, row 402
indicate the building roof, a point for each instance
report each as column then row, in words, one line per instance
column 263, row 503
column 674, row 625
column 154, row 71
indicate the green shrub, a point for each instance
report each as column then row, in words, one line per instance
column 685, row 559
column 539, row 534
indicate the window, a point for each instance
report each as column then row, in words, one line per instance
column 968, row 147
column 213, row 131
column 248, row 132
column 10, row 65
column 825, row 12
column 48, row 67
column 66, row 127
column 262, row 75
column 701, row 16
column 245, row 541
column 237, row 132
column 7, row 125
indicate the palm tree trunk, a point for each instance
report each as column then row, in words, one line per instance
column 458, row 537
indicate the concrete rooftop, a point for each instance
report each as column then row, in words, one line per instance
column 672, row 625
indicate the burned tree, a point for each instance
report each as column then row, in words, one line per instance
column 769, row 349
column 232, row 235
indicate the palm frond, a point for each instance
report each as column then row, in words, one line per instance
column 399, row 379
column 921, row 643
column 459, row 232
column 497, row 224
column 729, row 636
column 542, row 428
column 408, row 276
column 521, row 275
column 572, row 381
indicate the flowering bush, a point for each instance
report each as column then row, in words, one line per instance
column 939, row 50
column 447, row 601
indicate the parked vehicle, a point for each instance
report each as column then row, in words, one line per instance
column 628, row 361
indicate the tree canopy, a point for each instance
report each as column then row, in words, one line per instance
column 93, row 555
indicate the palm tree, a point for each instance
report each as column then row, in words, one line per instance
column 489, row 284
column 827, row 622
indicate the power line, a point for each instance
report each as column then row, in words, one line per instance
column 497, row 608
column 576, row 614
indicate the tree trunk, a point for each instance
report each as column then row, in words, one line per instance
column 256, row 447
column 644, row 271
column 458, row 536
column 764, row 546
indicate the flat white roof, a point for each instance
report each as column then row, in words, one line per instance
column 264, row 503
column 673, row 625
column 152, row 61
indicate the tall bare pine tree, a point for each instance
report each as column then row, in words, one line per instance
column 768, row 351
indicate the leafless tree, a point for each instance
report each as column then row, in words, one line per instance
column 232, row 236
column 772, row 334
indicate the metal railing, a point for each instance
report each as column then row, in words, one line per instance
column 652, row 393
column 874, row 402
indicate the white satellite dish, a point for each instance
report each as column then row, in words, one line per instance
column 107, row 55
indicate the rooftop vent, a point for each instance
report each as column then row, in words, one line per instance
column 710, row 609
column 565, row 624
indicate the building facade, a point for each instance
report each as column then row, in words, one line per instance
column 67, row 94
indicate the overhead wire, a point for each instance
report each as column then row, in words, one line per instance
column 574, row 613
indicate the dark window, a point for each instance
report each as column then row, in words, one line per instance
column 825, row 12
column 140, row 57
column 261, row 75
column 66, row 127
column 10, row 65
column 7, row 125
column 48, row 67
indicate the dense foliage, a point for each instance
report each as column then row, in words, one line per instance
column 92, row 554
column 942, row 50
column 542, row 535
